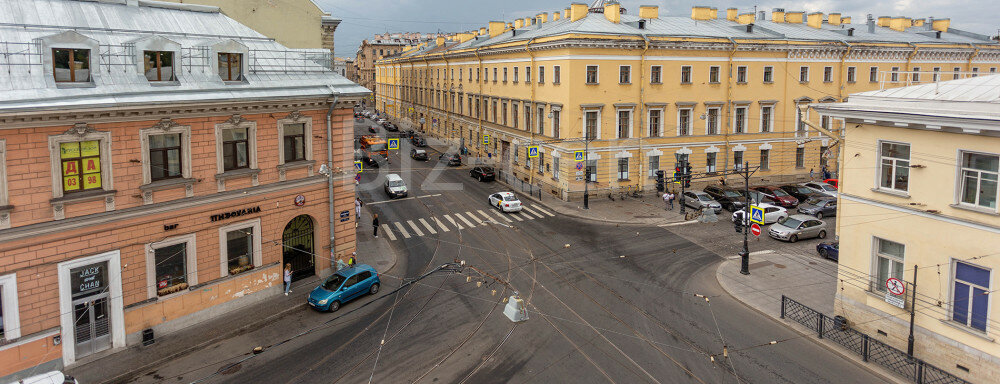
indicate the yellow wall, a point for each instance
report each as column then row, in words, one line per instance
column 293, row 23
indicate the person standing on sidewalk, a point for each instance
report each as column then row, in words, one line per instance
column 668, row 199
column 288, row 278
column 375, row 225
column 357, row 211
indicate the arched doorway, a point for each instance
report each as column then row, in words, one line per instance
column 297, row 247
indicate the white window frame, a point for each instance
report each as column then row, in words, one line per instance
column 527, row 74
column 631, row 122
column 658, row 80
column 628, row 167
column 746, row 118
column 86, row 133
column 806, row 73
column 597, row 74
column 764, row 165
column 649, row 162
column 541, row 74
column 689, row 123
column 745, row 73
column 224, row 251
column 4, row 193
column 659, row 127
column 742, row 156
column 555, row 166
column 69, row 40
column 960, row 189
column 629, row 79
column 852, row 74
column 556, row 74
column 711, row 166
column 165, row 128
column 769, row 120
column 708, row 120
column 768, row 71
column 190, row 263
column 584, row 123
column 115, row 301
column 878, row 167
column 717, row 71
column 690, row 74
column 231, row 46
column 798, row 122
column 875, row 255
column 555, row 123
column 236, row 122
column 12, row 312
column 158, row 44
column 827, row 74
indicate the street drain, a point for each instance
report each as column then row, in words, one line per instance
column 230, row 369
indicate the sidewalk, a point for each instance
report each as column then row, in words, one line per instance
column 122, row 365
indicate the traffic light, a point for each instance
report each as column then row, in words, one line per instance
column 678, row 172
column 687, row 170
column 738, row 224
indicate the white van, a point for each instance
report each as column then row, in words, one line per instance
column 394, row 186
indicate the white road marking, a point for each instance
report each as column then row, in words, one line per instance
column 516, row 216
column 475, row 219
column 388, row 232
column 402, row 230
column 440, row 224
column 429, row 228
column 467, row 222
column 762, row 252
column 456, row 224
column 532, row 211
column 488, row 218
column 415, row 228
column 678, row 223
column 543, row 211
column 403, row 199
column 502, row 216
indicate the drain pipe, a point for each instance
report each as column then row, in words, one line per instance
column 329, row 178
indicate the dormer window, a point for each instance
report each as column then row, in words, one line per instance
column 158, row 65
column 230, row 66
column 71, row 65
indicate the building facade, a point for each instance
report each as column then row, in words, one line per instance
column 381, row 46
column 292, row 23
column 718, row 90
column 151, row 179
column 918, row 204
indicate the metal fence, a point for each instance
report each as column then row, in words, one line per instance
column 871, row 350
column 519, row 185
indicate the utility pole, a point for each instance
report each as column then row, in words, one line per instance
column 913, row 307
column 683, row 180
column 745, row 254
column 586, row 169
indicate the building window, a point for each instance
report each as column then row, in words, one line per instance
column 235, row 149
column 710, row 161
column 591, row 124
column 888, row 263
column 979, row 179
column 494, row 110
column 765, row 158
column 230, row 66
column 541, row 163
column 916, row 74
column 654, row 165
column 655, row 74
column 294, row 141
column 71, row 65
column 505, row 74
column 894, row 166
column 527, row 75
column 159, row 65
column 527, row 117
column 686, row 74
column 827, row 74
column 655, row 122
column 555, row 167
column 623, row 168
column 624, row 123
column 165, row 156
column 970, row 295
column 241, row 250
column 741, row 74
column 712, row 121
column 684, row 122
column 894, row 74
column 803, row 74
column 541, row 120
column 955, row 73
column 766, row 118
column 937, row 74
column 740, row 120
column 713, row 74
column 624, row 74
column 555, row 123
column 10, row 322
column 170, row 264
column 768, row 75
column 800, row 157
column 851, row 74
column 495, row 74
column 81, row 165
column 504, row 113
column 513, row 113
column 591, row 74
column 591, row 171
column 975, row 72
column 873, row 74
column 738, row 160
column 541, row 75
column 555, row 74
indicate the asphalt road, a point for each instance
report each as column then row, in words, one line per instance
column 607, row 303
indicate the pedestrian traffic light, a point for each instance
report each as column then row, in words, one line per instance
column 678, row 172
column 738, row 224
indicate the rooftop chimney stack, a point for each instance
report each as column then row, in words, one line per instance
column 518, row 24
column 845, row 20
column 577, row 11
column 941, row 25
column 496, row 28
column 815, row 20
column 701, row 12
column 613, row 11
column 794, row 17
column 731, row 14
column 556, row 16
column 883, row 21
column 833, row 19
column 746, row 18
column 542, row 18
column 778, row 15
column 649, row 12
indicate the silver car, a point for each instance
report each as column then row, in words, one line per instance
column 701, row 200
column 797, row 227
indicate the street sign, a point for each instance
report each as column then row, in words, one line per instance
column 578, row 155
column 672, row 178
column 756, row 214
column 357, row 166
column 532, row 151
column 579, row 165
column 755, row 229
column 896, row 301
column 394, row 143
column 895, row 286
column 486, row 139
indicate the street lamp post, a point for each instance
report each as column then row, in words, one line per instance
column 586, row 171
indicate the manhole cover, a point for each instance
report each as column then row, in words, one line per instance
column 230, row 369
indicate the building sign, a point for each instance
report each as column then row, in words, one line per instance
column 236, row 213
column 345, row 216
column 89, row 279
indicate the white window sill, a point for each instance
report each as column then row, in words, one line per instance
column 892, row 192
column 167, row 184
column 76, row 197
column 976, row 209
column 966, row 329
column 243, row 172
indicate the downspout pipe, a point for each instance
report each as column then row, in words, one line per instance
column 909, row 61
column 480, row 79
column 729, row 106
column 329, row 178
column 530, row 110
column 975, row 52
column 843, row 61
column 641, row 108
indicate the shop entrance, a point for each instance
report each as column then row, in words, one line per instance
column 297, row 247
column 91, row 313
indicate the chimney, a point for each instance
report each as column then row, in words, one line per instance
column 794, row 17
column 833, row 19
column 731, row 14
column 518, row 23
column 566, row 13
column 746, row 18
column 918, row 22
column 778, row 15
column 883, row 21
column 463, row 37
column 871, row 24
column 613, row 11
column 439, row 41
column 542, row 18
column 496, row 28
column 556, row 16
column 845, row 20
column 529, row 21
column 941, row 25
column 715, row 13
column 701, row 12
column 482, row 31
column 815, row 20
column 900, row 23
column 577, row 11
column 649, row 12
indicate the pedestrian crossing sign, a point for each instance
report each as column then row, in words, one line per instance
column 394, row 143
column 674, row 177
column 756, row 214
column 533, row 151
column 578, row 155
column 486, row 139
column 358, row 166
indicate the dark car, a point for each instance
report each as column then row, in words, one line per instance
column 451, row 158
column 407, row 133
column 730, row 198
column 483, row 173
column 819, row 206
column 418, row 141
column 829, row 250
column 418, row 154
column 800, row 192
column 778, row 196
column 390, row 127
column 372, row 129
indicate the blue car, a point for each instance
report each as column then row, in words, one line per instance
column 829, row 250
column 345, row 285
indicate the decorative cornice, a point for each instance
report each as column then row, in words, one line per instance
column 80, row 129
column 237, row 120
column 165, row 124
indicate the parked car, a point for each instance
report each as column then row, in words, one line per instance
column 796, row 227
column 832, row 182
column 819, row 206
column 51, row 377
column 829, row 250
column 700, row 200
column 418, row 141
column 772, row 213
column 343, row 286
column 483, row 173
column 380, row 121
column 418, row 154
column 823, row 188
column 505, row 201
column 394, row 186
column 730, row 198
column 800, row 192
column 407, row 133
column 756, row 197
column 778, row 196
column 373, row 128
column 451, row 158
column 390, row 127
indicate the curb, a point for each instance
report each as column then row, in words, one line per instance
column 582, row 217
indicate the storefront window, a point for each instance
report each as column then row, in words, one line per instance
column 239, row 249
column 171, row 274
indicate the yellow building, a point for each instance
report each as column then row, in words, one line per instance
column 293, row 23
column 918, row 202
column 720, row 90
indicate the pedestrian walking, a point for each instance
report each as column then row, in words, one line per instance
column 826, row 173
column 375, row 225
column 357, row 211
column 722, row 181
column 812, row 175
column 288, row 278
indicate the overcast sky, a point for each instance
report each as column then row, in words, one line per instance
column 362, row 19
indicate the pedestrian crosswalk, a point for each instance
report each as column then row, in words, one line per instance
column 407, row 229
